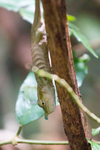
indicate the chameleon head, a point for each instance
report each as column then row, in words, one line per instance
column 43, row 105
column 47, row 101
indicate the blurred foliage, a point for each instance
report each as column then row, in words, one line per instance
column 75, row 31
column 80, row 67
column 15, row 5
column 95, row 131
column 27, row 109
column 71, row 18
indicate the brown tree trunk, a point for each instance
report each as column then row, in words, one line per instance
column 62, row 63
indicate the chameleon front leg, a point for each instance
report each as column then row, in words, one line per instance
column 39, row 52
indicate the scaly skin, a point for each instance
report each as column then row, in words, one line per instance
column 39, row 52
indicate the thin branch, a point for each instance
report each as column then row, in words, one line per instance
column 17, row 140
column 19, row 130
column 43, row 142
column 63, row 83
column 5, row 142
column 37, row 142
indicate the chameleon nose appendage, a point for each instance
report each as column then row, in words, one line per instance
column 46, row 116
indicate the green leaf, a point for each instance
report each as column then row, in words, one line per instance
column 71, row 18
column 9, row 5
column 27, row 13
column 27, row 109
column 80, row 68
column 94, row 145
column 95, row 131
column 25, row 3
column 15, row 5
column 75, row 31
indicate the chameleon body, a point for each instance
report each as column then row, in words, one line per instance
column 39, row 53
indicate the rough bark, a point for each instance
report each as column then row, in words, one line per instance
column 62, row 62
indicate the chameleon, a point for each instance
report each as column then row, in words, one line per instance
column 40, row 59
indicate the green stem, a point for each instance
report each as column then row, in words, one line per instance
column 5, row 143
column 17, row 140
column 43, row 142
column 37, row 142
column 19, row 130
column 63, row 83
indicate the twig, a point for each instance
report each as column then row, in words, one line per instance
column 19, row 130
column 37, row 142
column 5, row 143
column 43, row 142
column 17, row 140
column 63, row 83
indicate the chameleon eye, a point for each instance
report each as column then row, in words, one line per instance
column 43, row 103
